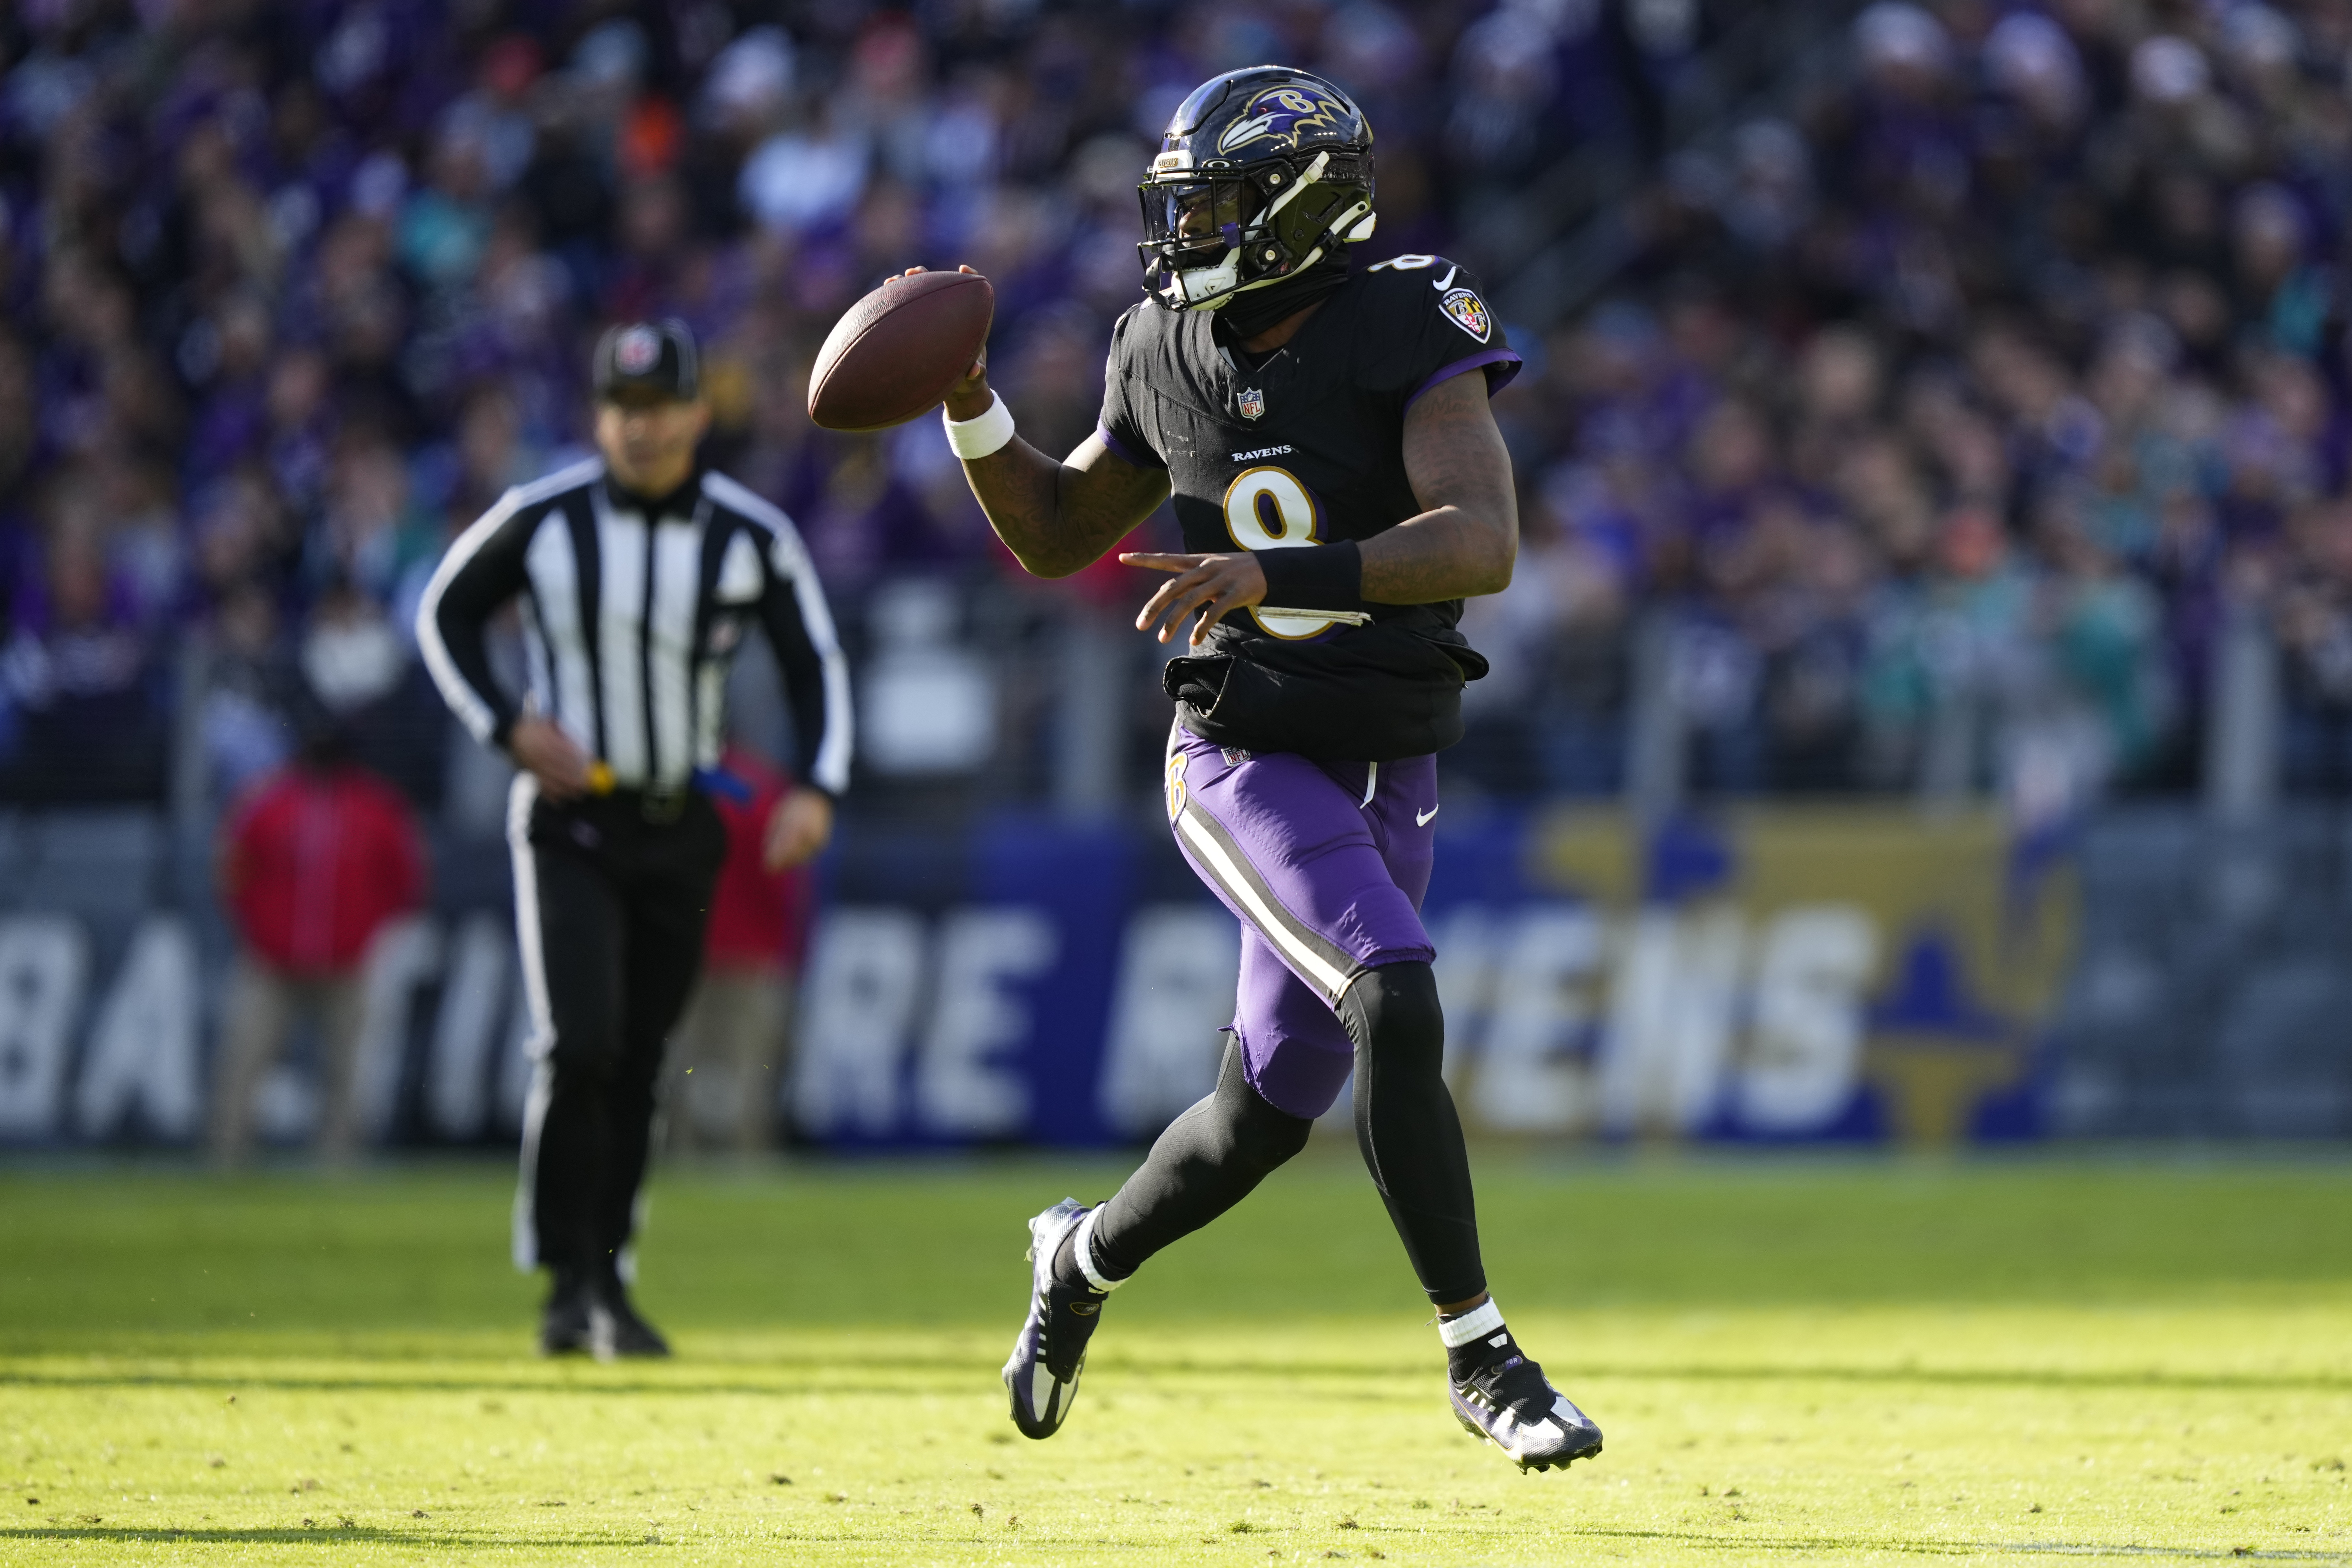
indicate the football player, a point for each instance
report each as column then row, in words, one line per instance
column 1324, row 431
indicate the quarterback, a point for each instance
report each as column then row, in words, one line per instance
column 1324, row 432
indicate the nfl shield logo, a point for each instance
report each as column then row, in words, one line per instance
column 638, row 350
column 1253, row 403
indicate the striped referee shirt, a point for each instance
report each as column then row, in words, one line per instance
column 632, row 613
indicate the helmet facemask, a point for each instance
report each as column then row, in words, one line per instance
column 1210, row 235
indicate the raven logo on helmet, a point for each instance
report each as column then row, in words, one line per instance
column 1281, row 111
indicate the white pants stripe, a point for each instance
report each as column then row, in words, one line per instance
column 519, row 801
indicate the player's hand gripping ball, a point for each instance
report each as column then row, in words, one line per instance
column 898, row 351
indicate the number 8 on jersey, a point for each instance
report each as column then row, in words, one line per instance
column 1269, row 508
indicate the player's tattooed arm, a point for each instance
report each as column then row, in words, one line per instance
column 1058, row 518
column 1055, row 517
column 1466, row 538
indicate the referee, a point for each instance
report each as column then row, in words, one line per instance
column 637, row 572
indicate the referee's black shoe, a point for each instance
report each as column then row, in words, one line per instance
column 614, row 1328
column 588, row 1310
column 566, row 1326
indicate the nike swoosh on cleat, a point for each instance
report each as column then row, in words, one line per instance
column 1447, row 282
column 1420, row 818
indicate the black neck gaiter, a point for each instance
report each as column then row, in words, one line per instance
column 1246, row 315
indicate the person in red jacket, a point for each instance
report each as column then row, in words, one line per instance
column 734, row 1037
column 315, row 860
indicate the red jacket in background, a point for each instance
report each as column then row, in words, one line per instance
column 758, row 919
column 315, row 861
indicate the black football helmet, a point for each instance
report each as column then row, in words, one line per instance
column 1261, row 173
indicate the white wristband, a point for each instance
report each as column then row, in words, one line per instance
column 976, row 438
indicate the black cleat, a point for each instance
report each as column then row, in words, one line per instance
column 1041, row 1374
column 616, row 1330
column 1511, row 1405
column 564, row 1325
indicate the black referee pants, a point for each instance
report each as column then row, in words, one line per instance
column 610, row 902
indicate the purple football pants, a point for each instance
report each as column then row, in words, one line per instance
column 1325, row 865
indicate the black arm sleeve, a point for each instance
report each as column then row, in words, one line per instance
column 799, row 625
column 483, row 570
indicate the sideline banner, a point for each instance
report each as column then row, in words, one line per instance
column 1787, row 972
column 1847, row 973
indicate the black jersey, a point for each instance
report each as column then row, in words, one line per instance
column 1306, row 447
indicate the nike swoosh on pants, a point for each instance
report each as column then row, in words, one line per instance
column 1420, row 818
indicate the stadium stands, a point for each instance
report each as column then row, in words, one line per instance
column 1924, row 413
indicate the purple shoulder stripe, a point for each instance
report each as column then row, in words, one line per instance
column 1495, row 380
column 1120, row 450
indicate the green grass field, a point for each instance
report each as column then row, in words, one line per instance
column 1794, row 1361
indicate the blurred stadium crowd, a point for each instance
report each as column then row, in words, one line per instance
column 1970, row 398
column 1943, row 414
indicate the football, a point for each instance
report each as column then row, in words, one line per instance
column 897, row 351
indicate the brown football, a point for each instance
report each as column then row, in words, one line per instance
column 897, row 351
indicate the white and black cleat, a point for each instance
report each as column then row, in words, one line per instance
column 1511, row 1405
column 1041, row 1374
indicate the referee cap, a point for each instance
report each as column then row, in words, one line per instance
column 649, row 359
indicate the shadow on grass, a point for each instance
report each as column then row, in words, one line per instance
column 446, row 1540
column 307, row 1535
column 842, row 1378
column 2007, row 1377
column 836, row 1375
column 2224, row 1382
column 1826, row 1543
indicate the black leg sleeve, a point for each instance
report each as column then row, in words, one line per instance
column 1208, row 1160
column 1406, row 1126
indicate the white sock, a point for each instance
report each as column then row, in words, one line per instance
column 1083, row 1249
column 1484, row 1318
